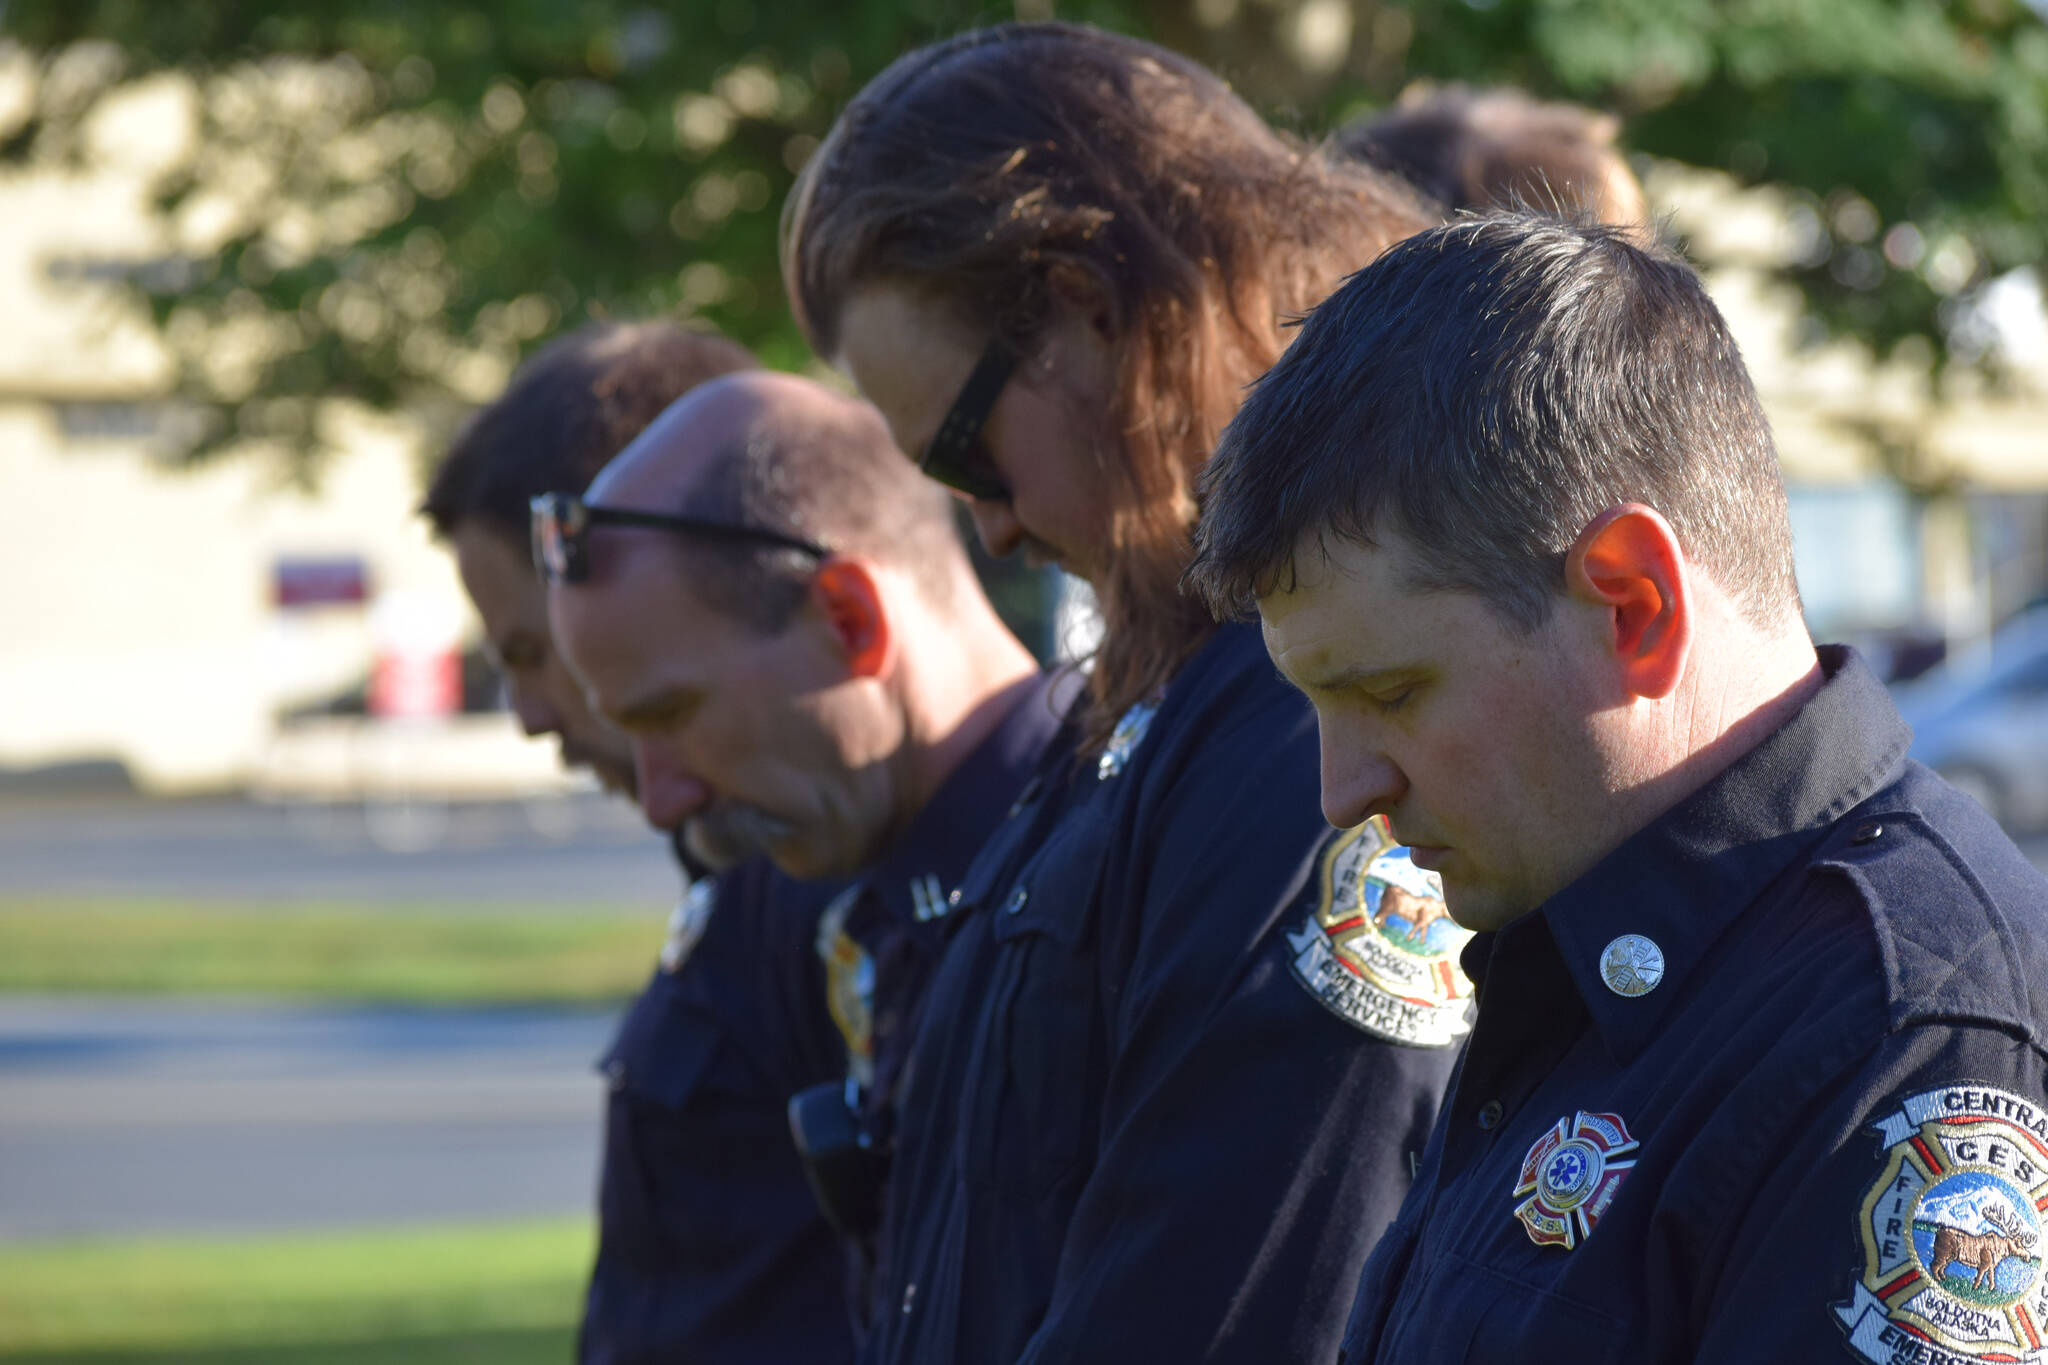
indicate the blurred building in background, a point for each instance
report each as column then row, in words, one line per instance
column 1919, row 505
column 189, row 626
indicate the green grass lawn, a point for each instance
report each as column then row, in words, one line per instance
column 506, row 1293
column 414, row 954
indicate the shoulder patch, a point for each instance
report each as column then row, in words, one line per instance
column 1951, row 1233
column 1377, row 946
column 687, row 922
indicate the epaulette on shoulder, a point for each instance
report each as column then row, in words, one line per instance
column 1961, row 917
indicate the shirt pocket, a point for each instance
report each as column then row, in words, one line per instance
column 665, row 1049
column 698, row 1157
column 1040, row 1103
column 1469, row 1314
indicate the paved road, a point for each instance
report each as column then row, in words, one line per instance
column 120, row 1117
column 557, row 852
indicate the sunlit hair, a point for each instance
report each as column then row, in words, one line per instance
column 999, row 170
column 1473, row 150
column 1485, row 390
column 571, row 407
column 828, row 473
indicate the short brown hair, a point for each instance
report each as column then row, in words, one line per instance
column 1499, row 149
column 571, row 407
column 1485, row 390
column 980, row 169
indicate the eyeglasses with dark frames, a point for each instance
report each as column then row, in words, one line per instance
column 956, row 455
column 562, row 524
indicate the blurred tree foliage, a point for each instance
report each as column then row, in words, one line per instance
column 390, row 201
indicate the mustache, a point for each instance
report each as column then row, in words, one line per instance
column 610, row 773
column 726, row 835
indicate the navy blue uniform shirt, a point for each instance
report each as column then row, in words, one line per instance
column 1153, row 1111
column 893, row 922
column 710, row 1246
column 1766, row 1084
column 882, row 938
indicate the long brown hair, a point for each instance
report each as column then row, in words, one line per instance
column 983, row 169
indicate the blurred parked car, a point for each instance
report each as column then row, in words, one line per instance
column 1981, row 720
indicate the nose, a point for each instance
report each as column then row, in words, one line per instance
column 537, row 715
column 1359, row 779
column 997, row 525
column 669, row 792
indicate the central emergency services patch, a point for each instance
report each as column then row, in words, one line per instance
column 849, row 985
column 1378, row 946
column 1951, row 1233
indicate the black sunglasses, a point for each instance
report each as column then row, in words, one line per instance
column 562, row 522
column 956, row 455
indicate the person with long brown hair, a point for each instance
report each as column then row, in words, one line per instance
column 1186, row 1040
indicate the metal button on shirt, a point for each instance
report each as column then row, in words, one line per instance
column 1016, row 901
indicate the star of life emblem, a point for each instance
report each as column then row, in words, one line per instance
column 687, row 922
column 1378, row 947
column 849, row 985
column 1570, row 1177
column 1951, row 1233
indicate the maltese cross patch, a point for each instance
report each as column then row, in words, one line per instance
column 1571, row 1175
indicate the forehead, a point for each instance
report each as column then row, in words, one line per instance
column 498, row 575
column 1346, row 604
column 636, row 618
column 907, row 354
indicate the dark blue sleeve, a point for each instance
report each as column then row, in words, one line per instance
column 1904, row 1223
column 1253, row 1144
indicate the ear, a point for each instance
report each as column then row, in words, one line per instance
column 848, row 598
column 1628, row 563
column 1082, row 295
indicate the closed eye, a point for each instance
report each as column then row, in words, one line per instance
column 1390, row 702
column 663, row 712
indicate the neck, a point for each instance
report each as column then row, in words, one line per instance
column 1721, row 713
column 960, row 680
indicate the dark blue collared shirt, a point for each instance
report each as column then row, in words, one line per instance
column 710, row 1245
column 1155, row 1110
column 898, row 919
column 1767, row 1084
column 883, row 938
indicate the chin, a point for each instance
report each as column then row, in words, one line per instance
column 1477, row 909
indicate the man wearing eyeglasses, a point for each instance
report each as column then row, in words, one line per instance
column 711, row 1247
column 777, row 611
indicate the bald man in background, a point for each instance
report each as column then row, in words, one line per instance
column 775, row 609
